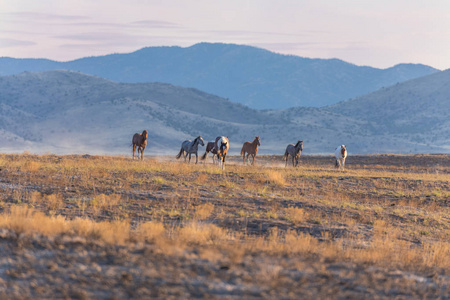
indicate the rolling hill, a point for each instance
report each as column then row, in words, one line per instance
column 418, row 109
column 251, row 76
column 70, row 112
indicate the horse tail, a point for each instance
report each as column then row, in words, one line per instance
column 286, row 154
column 179, row 153
column 204, row 155
column 242, row 150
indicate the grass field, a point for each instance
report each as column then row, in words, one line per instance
column 108, row 226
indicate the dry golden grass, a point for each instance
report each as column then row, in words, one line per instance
column 295, row 215
column 23, row 220
column 150, row 231
column 389, row 214
column 203, row 211
column 30, row 166
column 54, row 201
column 105, row 202
column 383, row 249
column 273, row 177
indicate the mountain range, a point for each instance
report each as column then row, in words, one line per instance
column 71, row 112
column 251, row 76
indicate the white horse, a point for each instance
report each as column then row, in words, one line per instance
column 341, row 155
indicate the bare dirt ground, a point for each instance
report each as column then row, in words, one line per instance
column 380, row 229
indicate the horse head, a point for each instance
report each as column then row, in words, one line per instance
column 299, row 145
column 258, row 140
column 343, row 149
column 200, row 140
column 223, row 145
column 145, row 135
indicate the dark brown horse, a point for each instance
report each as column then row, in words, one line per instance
column 140, row 141
column 210, row 148
column 251, row 149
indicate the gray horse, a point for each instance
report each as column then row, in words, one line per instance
column 190, row 147
column 295, row 151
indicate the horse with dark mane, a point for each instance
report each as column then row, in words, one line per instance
column 251, row 149
column 140, row 141
column 210, row 148
column 295, row 151
column 341, row 154
column 190, row 147
column 220, row 148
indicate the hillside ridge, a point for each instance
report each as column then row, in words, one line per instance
column 70, row 112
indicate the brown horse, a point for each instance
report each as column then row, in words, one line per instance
column 140, row 141
column 210, row 148
column 251, row 149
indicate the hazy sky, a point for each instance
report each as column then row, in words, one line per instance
column 377, row 33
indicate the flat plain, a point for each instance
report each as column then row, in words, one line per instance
column 81, row 226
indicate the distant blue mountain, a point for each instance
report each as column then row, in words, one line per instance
column 251, row 76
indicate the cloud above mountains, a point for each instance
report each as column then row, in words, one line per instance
column 379, row 34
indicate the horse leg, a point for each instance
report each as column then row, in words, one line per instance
column 287, row 158
column 223, row 162
column 243, row 158
column 253, row 161
column 142, row 154
column 196, row 158
column 134, row 149
column 189, row 157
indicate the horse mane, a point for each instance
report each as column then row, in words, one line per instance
column 296, row 145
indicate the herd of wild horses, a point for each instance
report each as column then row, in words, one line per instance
column 220, row 146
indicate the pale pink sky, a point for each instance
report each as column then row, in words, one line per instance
column 378, row 33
